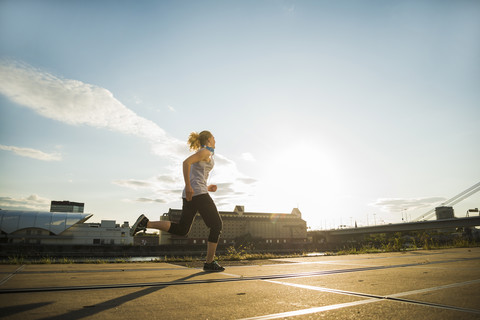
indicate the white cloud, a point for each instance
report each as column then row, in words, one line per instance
column 134, row 184
column 166, row 188
column 172, row 109
column 77, row 103
column 32, row 202
column 32, row 153
column 247, row 156
column 398, row 204
column 149, row 200
column 158, row 183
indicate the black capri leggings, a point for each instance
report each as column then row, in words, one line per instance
column 204, row 205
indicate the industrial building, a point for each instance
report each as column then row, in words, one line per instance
column 60, row 228
column 238, row 225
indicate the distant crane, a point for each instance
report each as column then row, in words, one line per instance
column 450, row 202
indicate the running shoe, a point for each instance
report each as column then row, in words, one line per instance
column 213, row 267
column 139, row 225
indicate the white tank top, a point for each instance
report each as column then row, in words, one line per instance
column 199, row 172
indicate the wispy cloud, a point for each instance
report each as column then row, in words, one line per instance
column 32, row 153
column 172, row 109
column 398, row 204
column 149, row 200
column 232, row 185
column 134, row 184
column 165, row 188
column 32, row 202
column 78, row 103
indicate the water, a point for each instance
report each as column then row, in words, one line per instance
column 315, row 254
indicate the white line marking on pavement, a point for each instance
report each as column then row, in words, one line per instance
column 372, row 298
column 311, row 310
column 447, row 286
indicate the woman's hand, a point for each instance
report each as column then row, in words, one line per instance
column 212, row 188
column 188, row 192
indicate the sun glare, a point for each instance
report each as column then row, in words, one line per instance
column 306, row 176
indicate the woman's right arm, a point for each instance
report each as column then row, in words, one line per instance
column 196, row 157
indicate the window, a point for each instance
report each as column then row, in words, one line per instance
column 96, row 241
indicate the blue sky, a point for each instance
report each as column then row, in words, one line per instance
column 350, row 110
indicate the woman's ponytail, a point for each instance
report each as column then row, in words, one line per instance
column 198, row 140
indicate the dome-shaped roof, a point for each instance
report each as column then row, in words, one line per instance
column 55, row 222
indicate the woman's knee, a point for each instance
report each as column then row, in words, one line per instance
column 215, row 231
column 214, row 235
column 216, row 224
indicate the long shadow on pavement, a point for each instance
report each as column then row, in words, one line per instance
column 110, row 304
column 6, row 312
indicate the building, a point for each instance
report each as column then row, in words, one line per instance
column 60, row 228
column 107, row 232
column 444, row 213
column 146, row 239
column 238, row 226
column 66, row 206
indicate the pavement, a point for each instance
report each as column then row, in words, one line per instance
column 434, row 284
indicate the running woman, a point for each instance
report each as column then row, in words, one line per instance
column 196, row 198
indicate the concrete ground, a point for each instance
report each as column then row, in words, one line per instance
column 437, row 284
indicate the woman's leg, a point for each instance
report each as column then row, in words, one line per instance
column 211, row 217
column 160, row 225
column 182, row 228
column 211, row 249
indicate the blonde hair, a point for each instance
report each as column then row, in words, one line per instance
column 197, row 140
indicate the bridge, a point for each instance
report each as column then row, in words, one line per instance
column 445, row 220
column 402, row 227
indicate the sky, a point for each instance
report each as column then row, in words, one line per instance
column 352, row 111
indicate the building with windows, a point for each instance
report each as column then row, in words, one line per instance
column 66, row 206
column 238, row 226
column 60, row 228
column 107, row 232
